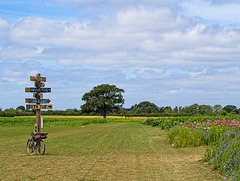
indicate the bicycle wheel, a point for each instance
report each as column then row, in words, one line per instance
column 40, row 147
column 30, row 146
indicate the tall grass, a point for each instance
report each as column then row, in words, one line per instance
column 221, row 136
column 61, row 121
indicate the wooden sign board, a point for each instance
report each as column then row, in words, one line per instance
column 39, row 90
column 38, row 106
column 46, row 106
column 37, row 101
column 41, row 79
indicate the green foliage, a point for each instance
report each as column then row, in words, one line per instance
column 175, row 110
column 224, row 155
column 150, row 121
column 230, row 108
column 11, row 112
column 217, row 108
column 205, row 109
column 164, row 123
column 103, row 99
column 49, row 122
column 20, row 108
column 60, row 121
column 183, row 137
column 167, row 110
column 144, row 107
column 192, row 109
column 17, row 121
column 222, row 137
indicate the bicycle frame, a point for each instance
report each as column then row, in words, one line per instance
column 39, row 146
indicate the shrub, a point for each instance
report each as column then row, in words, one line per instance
column 224, row 155
column 181, row 136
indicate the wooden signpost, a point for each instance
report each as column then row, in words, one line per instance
column 37, row 102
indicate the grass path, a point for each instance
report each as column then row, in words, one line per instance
column 112, row 151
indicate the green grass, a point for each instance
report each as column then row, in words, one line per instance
column 111, row 151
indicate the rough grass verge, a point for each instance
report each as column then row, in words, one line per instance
column 111, row 151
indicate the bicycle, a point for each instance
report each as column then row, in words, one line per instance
column 36, row 143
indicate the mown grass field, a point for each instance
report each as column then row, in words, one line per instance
column 109, row 151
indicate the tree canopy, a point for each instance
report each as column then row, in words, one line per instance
column 20, row 108
column 103, row 99
column 230, row 108
column 144, row 107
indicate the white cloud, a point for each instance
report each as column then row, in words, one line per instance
column 32, row 63
column 138, row 36
column 67, row 62
column 77, row 43
column 4, row 28
column 150, row 21
column 116, row 4
column 195, row 74
column 150, row 73
column 38, row 49
column 226, row 12
column 142, row 46
column 3, row 24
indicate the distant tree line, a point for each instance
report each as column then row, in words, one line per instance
column 148, row 108
column 107, row 100
column 144, row 108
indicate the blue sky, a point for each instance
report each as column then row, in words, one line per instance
column 169, row 52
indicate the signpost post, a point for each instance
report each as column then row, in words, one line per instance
column 37, row 103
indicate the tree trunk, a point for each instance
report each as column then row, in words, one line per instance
column 105, row 113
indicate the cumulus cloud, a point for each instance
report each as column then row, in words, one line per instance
column 150, row 21
column 32, row 63
column 116, row 4
column 137, row 37
column 150, row 73
column 226, row 12
column 4, row 27
column 158, row 47
column 66, row 62
column 3, row 24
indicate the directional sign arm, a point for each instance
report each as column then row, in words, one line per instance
column 38, row 106
column 39, row 90
column 37, row 101
column 47, row 106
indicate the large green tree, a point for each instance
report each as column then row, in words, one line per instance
column 217, row 108
column 230, row 108
column 103, row 99
column 205, row 109
column 144, row 107
column 20, row 108
column 192, row 109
